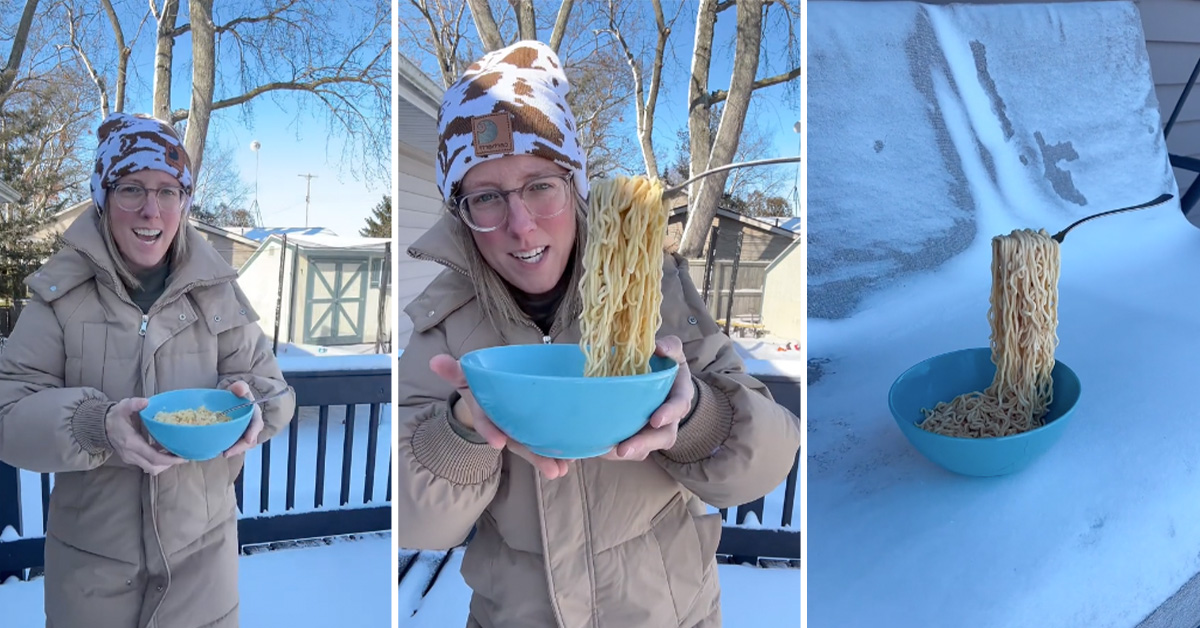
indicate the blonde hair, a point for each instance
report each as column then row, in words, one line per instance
column 176, row 252
column 494, row 296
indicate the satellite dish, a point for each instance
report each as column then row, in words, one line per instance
column 255, row 145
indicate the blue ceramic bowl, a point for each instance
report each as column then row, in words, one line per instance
column 197, row 442
column 946, row 376
column 537, row 394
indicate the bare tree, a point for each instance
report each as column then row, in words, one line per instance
column 445, row 38
column 44, row 114
column 645, row 88
column 243, row 51
column 712, row 151
column 491, row 32
column 219, row 184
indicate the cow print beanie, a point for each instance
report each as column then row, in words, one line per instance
column 513, row 101
column 131, row 143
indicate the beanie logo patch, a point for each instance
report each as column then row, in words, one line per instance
column 493, row 134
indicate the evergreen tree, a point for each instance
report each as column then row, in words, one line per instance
column 379, row 223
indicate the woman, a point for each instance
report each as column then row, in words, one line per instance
column 618, row 541
column 136, row 303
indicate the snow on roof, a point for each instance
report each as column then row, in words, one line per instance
column 324, row 241
column 259, row 234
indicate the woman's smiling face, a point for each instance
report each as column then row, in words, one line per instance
column 530, row 253
column 144, row 236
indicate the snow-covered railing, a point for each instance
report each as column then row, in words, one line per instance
column 341, row 433
column 768, row 527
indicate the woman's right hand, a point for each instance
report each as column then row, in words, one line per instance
column 127, row 441
column 468, row 412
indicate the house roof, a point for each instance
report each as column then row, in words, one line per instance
column 223, row 232
column 757, row 223
column 335, row 242
column 791, row 223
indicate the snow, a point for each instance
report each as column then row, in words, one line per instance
column 344, row 583
column 291, row 349
column 1100, row 531
column 9, row 533
column 329, row 241
column 292, row 363
column 920, row 115
column 750, row 596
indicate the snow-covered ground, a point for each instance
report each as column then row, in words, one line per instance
column 342, row 583
column 750, row 596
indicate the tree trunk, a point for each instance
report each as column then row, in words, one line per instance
column 699, row 114
column 526, row 20
column 123, row 53
column 560, row 24
column 485, row 23
column 203, row 79
column 8, row 74
column 705, row 194
column 163, row 59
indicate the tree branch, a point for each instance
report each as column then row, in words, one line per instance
column 721, row 94
column 87, row 63
column 721, row 6
column 123, row 53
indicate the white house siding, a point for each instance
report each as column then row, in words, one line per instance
column 417, row 207
column 1172, row 30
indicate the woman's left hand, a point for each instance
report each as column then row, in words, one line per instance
column 663, row 427
column 250, row 437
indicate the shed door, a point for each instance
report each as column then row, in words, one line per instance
column 336, row 302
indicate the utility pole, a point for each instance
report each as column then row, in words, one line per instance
column 307, row 194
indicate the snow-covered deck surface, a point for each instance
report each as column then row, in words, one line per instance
column 750, row 596
column 931, row 130
column 1097, row 533
column 344, row 583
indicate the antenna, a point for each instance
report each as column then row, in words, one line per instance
column 255, row 211
column 307, row 194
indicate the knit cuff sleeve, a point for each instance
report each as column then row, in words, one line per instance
column 438, row 447
column 87, row 425
column 705, row 429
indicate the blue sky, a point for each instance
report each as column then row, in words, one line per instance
column 294, row 136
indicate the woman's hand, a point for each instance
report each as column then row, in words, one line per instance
column 663, row 427
column 468, row 412
column 122, row 423
column 250, row 437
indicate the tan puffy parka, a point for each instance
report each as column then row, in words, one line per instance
column 612, row 544
column 125, row 549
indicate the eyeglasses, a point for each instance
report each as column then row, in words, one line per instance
column 132, row 197
column 487, row 210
